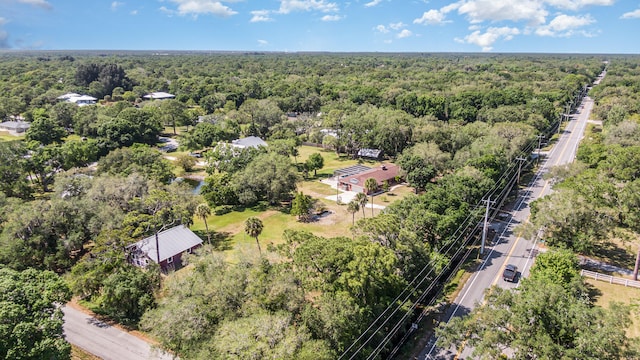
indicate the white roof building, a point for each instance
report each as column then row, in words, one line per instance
column 160, row 95
column 78, row 99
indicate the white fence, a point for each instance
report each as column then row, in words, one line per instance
column 610, row 279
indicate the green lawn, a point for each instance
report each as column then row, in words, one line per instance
column 229, row 228
column 5, row 136
column 608, row 293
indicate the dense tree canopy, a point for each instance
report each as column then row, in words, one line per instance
column 31, row 316
column 549, row 316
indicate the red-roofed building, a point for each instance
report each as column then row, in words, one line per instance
column 385, row 172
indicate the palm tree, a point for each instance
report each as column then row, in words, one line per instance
column 203, row 211
column 362, row 200
column 353, row 207
column 371, row 185
column 253, row 227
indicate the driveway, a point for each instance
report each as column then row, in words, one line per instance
column 106, row 341
column 346, row 196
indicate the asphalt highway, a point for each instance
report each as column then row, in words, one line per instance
column 510, row 247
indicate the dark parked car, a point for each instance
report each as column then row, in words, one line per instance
column 510, row 273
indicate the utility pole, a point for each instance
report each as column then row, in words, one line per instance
column 485, row 228
column 520, row 161
column 539, row 144
column 635, row 269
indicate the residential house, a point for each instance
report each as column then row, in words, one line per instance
column 355, row 182
column 80, row 100
column 15, row 127
column 165, row 248
column 160, row 95
column 374, row 154
column 249, row 141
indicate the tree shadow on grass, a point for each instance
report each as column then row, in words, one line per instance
column 594, row 292
column 616, row 255
column 220, row 241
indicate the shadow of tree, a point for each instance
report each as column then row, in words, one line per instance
column 220, row 241
column 616, row 255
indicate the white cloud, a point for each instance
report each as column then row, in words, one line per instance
column 397, row 26
column 431, row 17
column 477, row 11
column 198, row 7
column 3, row 21
column 115, row 5
column 564, row 25
column 39, row 3
column 404, row 34
column 631, row 15
column 487, row 39
column 372, row 3
column 260, row 16
column 288, row 6
column 578, row 4
column 383, row 29
column 134, row 12
column 331, row 18
column 263, row 42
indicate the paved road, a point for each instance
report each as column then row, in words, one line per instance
column 104, row 340
column 510, row 248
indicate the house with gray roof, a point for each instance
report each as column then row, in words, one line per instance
column 249, row 141
column 15, row 127
column 164, row 248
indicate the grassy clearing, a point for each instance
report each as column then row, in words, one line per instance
column 79, row 354
column 229, row 228
column 5, row 136
column 608, row 293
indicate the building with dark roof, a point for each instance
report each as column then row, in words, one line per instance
column 370, row 154
column 165, row 248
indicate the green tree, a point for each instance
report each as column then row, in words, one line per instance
column 44, row 129
column 31, row 316
column 140, row 159
column 371, row 186
column 203, row 211
column 546, row 317
column 218, row 190
column 173, row 113
column 14, row 170
column 418, row 172
column 269, row 177
column 315, row 162
column 253, row 227
column 301, row 205
column 362, row 200
column 186, row 162
column 352, row 208
column 128, row 293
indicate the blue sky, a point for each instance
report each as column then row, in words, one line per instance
column 553, row 26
